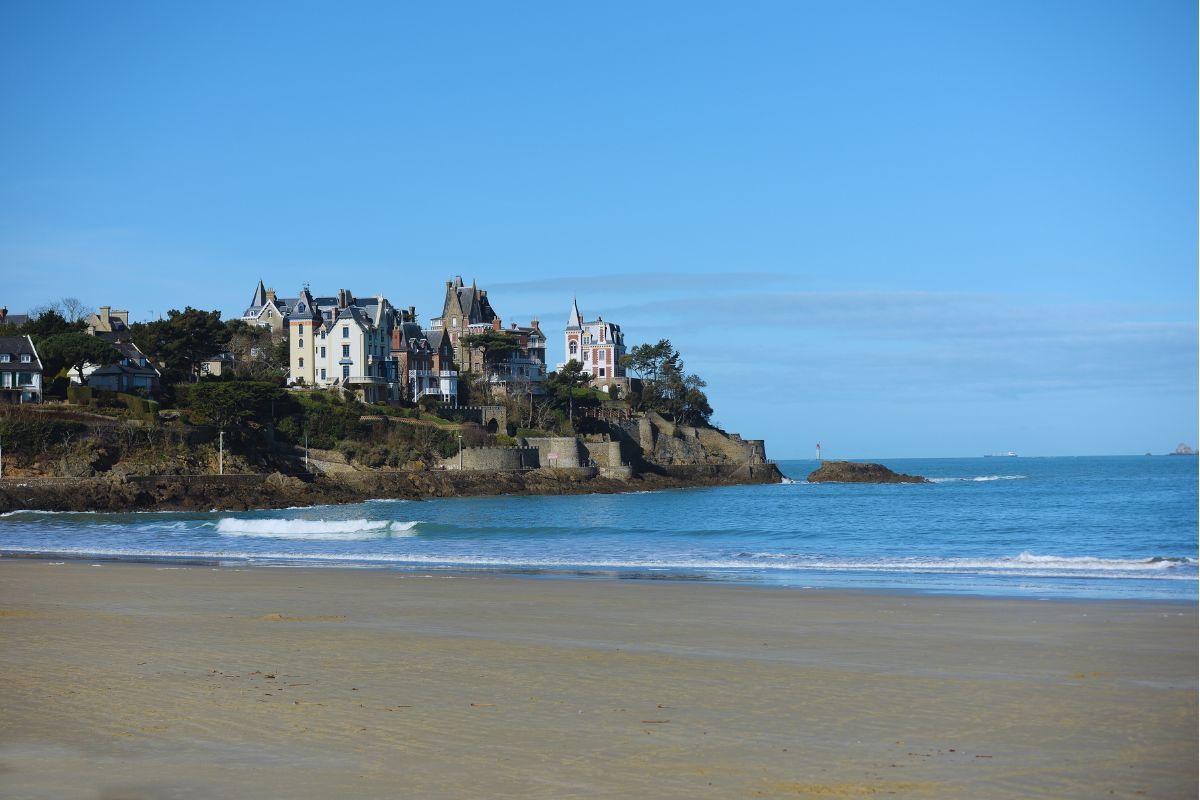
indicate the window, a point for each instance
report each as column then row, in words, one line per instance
column 300, row 308
column 322, row 374
column 322, row 335
column 26, row 358
column 574, row 348
column 301, row 362
column 322, row 352
column 346, row 332
column 346, row 371
column 302, row 343
column 345, row 351
column 301, row 330
column 454, row 322
column 5, row 358
column 602, row 372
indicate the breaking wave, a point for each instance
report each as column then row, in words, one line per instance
column 340, row 530
column 982, row 478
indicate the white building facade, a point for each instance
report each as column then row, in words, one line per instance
column 20, row 371
column 344, row 342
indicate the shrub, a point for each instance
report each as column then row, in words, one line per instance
column 27, row 434
column 79, row 395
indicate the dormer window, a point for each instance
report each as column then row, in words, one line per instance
column 26, row 358
column 300, row 307
column 5, row 358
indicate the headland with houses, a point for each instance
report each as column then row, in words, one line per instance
column 336, row 397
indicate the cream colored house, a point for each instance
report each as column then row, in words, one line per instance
column 344, row 342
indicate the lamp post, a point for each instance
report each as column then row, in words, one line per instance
column 460, row 463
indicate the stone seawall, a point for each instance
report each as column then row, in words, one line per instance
column 495, row 459
column 244, row 492
column 558, row 451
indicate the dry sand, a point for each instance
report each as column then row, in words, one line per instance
column 141, row 681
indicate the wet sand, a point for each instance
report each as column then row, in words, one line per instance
column 141, row 681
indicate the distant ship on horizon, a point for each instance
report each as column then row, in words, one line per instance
column 1009, row 454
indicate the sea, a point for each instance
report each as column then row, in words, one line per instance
column 1122, row 527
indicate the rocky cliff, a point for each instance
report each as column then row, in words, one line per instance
column 243, row 492
column 655, row 440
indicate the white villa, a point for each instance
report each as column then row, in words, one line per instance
column 344, row 342
column 20, row 371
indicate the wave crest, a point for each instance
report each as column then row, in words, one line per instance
column 981, row 478
column 327, row 530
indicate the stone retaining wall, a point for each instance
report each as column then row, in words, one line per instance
column 497, row 459
column 558, row 451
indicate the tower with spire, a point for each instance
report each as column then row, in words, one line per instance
column 268, row 311
column 598, row 346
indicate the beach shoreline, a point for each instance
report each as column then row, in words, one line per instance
column 153, row 680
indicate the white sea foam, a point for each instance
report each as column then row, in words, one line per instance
column 981, row 478
column 327, row 530
column 1025, row 564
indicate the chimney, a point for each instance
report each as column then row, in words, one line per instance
column 514, row 326
column 496, row 325
column 122, row 315
column 271, row 295
column 3, row 315
column 412, row 313
column 342, row 295
column 104, row 313
column 533, row 323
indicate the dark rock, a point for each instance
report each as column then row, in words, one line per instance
column 854, row 472
column 242, row 492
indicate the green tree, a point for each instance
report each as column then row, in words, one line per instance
column 183, row 340
column 230, row 405
column 666, row 386
column 569, row 388
column 73, row 351
column 493, row 345
column 647, row 359
column 49, row 322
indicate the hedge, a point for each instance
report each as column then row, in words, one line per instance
column 79, row 395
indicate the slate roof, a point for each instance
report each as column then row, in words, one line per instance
column 15, row 346
column 128, row 369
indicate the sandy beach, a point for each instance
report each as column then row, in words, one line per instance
column 146, row 681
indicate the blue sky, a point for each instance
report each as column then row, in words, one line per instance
column 902, row 229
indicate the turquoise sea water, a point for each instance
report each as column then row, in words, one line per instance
column 1037, row 527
